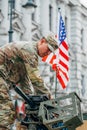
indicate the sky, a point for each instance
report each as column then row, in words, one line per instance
column 84, row 2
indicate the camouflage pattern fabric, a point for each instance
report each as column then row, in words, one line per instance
column 25, row 54
column 7, row 113
column 52, row 41
column 19, row 66
column 30, row 57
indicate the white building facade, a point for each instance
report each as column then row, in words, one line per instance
column 31, row 23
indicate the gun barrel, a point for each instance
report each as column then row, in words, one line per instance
column 24, row 96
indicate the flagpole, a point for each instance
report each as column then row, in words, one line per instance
column 56, row 86
column 58, row 24
column 58, row 45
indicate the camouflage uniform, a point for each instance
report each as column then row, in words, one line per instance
column 21, row 68
column 19, row 64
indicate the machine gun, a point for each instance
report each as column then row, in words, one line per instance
column 32, row 109
column 63, row 113
column 58, row 114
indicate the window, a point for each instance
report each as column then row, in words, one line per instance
column 50, row 17
column 33, row 16
column 83, row 85
column 82, row 40
column 13, row 4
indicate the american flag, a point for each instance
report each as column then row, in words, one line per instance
column 60, row 59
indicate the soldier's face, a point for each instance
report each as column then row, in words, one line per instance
column 43, row 49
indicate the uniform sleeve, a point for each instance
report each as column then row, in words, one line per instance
column 40, row 86
column 31, row 63
column 7, row 52
column 2, row 57
column 37, row 81
column 10, row 50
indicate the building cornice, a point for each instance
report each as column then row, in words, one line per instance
column 83, row 10
column 69, row 2
column 74, row 2
column 78, row 6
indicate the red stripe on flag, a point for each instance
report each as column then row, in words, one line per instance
column 65, row 45
column 61, row 81
column 65, row 74
column 64, row 65
column 44, row 58
column 52, row 59
column 54, row 67
column 63, row 55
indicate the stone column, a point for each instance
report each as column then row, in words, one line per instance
column 27, row 13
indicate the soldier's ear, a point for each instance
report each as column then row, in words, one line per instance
column 43, row 40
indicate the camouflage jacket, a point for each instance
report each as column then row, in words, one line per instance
column 20, row 65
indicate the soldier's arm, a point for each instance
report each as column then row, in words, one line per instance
column 2, row 57
column 7, row 52
column 38, row 83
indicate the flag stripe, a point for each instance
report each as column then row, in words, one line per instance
column 63, row 78
column 64, row 52
column 65, row 74
column 63, row 69
column 65, row 45
column 64, row 55
column 63, row 49
column 44, row 58
column 63, row 60
column 64, row 65
column 62, row 82
column 48, row 58
column 52, row 59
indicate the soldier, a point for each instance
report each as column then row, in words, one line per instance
column 19, row 64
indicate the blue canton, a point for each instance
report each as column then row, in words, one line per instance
column 62, row 31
